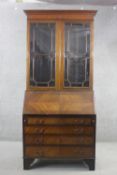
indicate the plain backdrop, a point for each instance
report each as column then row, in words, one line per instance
column 13, row 68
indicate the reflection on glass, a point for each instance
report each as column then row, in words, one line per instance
column 42, row 54
column 77, row 53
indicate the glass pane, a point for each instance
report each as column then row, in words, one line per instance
column 42, row 54
column 77, row 53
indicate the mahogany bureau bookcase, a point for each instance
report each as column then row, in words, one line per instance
column 59, row 119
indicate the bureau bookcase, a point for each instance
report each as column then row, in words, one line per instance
column 59, row 119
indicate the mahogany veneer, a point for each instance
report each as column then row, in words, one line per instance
column 59, row 102
column 59, row 125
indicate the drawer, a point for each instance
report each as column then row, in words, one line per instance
column 59, row 152
column 88, row 130
column 58, row 120
column 55, row 140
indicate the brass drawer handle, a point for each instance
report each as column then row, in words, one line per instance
column 79, row 121
column 35, row 121
column 79, row 130
column 39, row 130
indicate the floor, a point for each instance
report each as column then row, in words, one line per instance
column 11, row 162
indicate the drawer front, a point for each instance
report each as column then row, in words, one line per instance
column 58, row 120
column 58, row 140
column 88, row 130
column 60, row 152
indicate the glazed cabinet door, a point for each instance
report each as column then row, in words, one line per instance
column 60, row 55
column 42, row 55
column 76, row 55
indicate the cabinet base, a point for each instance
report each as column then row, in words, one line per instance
column 90, row 163
column 29, row 163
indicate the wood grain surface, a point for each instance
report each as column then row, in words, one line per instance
column 56, row 120
column 81, row 102
column 58, row 130
column 58, row 140
column 59, row 152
